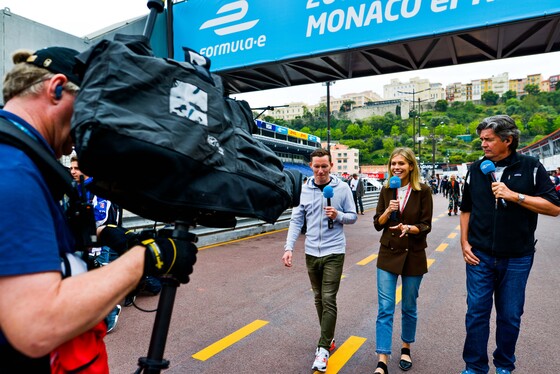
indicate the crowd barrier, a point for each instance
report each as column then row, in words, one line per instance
column 245, row 226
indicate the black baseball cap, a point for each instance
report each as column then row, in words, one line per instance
column 58, row 60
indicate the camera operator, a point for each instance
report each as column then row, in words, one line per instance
column 42, row 313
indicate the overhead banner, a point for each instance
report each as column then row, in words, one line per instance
column 237, row 33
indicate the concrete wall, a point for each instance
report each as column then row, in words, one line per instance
column 18, row 32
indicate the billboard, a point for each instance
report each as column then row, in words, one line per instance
column 238, row 33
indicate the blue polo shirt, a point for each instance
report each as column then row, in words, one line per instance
column 33, row 230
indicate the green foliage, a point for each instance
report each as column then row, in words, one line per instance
column 490, row 97
column 441, row 105
column 536, row 115
column 532, row 89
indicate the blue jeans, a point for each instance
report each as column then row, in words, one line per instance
column 386, row 295
column 504, row 279
column 324, row 274
column 107, row 255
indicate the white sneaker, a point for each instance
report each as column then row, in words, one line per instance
column 321, row 360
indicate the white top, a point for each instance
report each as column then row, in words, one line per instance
column 403, row 193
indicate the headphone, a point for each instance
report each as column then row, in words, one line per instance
column 58, row 92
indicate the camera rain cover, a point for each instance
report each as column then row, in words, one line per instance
column 160, row 139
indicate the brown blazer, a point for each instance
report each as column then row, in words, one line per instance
column 406, row 255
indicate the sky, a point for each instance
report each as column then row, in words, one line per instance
column 81, row 17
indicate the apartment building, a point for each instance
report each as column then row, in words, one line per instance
column 360, row 99
column 345, row 160
column 413, row 90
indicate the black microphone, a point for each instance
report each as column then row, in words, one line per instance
column 328, row 192
column 394, row 183
column 488, row 168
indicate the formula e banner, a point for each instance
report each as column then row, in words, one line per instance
column 237, row 33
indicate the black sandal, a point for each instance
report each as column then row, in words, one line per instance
column 405, row 365
column 383, row 366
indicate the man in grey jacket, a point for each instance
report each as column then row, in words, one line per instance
column 325, row 244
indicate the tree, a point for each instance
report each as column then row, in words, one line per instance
column 511, row 94
column 353, row 132
column 490, row 97
column 347, row 105
column 537, row 125
column 441, row 106
column 532, row 89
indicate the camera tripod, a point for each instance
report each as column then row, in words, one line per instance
column 154, row 362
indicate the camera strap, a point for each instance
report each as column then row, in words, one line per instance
column 58, row 179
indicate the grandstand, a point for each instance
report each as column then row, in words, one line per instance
column 547, row 150
column 293, row 147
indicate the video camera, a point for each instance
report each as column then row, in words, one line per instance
column 161, row 140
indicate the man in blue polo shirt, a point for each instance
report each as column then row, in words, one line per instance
column 45, row 318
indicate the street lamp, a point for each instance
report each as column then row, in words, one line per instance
column 434, row 147
column 416, row 115
column 328, row 84
column 420, row 138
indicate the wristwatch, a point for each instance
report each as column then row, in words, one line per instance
column 520, row 198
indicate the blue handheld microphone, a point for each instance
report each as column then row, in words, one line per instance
column 488, row 168
column 328, row 192
column 394, row 183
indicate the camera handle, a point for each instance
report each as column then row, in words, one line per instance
column 154, row 363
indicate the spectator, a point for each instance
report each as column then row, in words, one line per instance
column 325, row 244
column 357, row 186
column 498, row 241
column 47, row 315
column 444, row 186
column 104, row 213
column 406, row 221
column 454, row 192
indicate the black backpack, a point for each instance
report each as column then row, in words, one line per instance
column 161, row 140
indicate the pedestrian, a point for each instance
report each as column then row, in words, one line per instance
column 454, row 192
column 325, row 244
column 498, row 223
column 405, row 216
column 357, row 186
column 444, row 186
column 51, row 309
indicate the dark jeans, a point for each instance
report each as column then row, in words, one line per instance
column 358, row 200
column 324, row 274
column 504, row 279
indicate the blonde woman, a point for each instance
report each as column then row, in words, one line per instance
column 402, row 253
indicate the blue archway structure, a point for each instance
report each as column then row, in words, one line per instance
column 257, row 45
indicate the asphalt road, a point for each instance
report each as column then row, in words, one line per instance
column 244, row 312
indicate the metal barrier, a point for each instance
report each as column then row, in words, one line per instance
column 245, row 226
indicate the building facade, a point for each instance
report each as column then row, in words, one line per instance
column 345, row 160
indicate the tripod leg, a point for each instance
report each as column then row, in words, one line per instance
column 154, row 363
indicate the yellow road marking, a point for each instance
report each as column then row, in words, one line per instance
column 441, row 247
column 229, row 340
column 458, row 227
column 367, row 260
column 434, row 219
column 452, row 235
column 240, row 239
column 343, row 353
column 430, row 262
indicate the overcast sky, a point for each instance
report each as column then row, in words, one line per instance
column 81, row 17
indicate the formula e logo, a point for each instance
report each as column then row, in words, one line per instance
column 238, row 10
